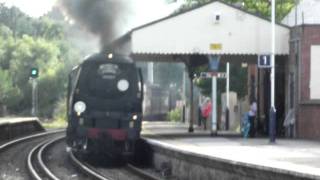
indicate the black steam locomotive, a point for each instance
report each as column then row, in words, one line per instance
column 104, row 105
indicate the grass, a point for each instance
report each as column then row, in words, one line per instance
column 55, row 124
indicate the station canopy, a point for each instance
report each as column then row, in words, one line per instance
column 215, row 28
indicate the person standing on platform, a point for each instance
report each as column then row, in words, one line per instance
column 206, row 112
column 252, row 116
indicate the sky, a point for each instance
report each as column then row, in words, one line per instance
column 150, row 10
column 34, row 9
column 147, row 10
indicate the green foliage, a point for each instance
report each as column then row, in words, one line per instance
column 21, row 24
column 174, row 115
column 5, row 31
column 9, row 94
column 48, row 29
column 260, row 7
column 27, row 43
column 59, row 115
column 167, row 74
column 60, row 109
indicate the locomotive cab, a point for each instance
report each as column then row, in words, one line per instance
column 104, row 105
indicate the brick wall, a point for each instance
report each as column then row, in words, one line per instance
column 310, row 36
column 308, row 114
column 309, row 117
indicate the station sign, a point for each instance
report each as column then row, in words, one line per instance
column 215, row 46
column 221, row 75
column 214, row 63
column 264, row 61
column 206, row 74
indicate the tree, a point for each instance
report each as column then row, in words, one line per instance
column 9, row 94
column 25, row 43
column 168, row 74
column 22, row 24
column 48, row 29
column 260, row 7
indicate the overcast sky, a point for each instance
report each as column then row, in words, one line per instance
column 34, row 8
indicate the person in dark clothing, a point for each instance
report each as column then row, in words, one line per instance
column 252, row 116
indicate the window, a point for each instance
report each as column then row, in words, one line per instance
column 315, row 72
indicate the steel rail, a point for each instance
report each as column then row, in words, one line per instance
column 86, row 169
column 90, row 171
column 141, row 173
column 40, row 154
column 17, row 141
column 9, row 144
column 30, row 166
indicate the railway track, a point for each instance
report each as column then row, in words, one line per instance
column 14, row 152
column 35, row 150
column 86, row 168
column 36, row 165
column 9, row 144
column 127, row 172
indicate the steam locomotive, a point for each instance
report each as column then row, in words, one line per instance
column 104, row 105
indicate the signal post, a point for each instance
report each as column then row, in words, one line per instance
column 34, row 73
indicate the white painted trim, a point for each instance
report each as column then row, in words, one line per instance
column 315, row 72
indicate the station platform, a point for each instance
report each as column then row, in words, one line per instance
column 300, row 158
column 12, row 127
column 177, row 129
column 16, row 120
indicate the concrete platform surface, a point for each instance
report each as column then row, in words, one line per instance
column 288, row 155
column 163, row 128
column 12, row 120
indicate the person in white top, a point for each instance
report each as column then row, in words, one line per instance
column 252, row 116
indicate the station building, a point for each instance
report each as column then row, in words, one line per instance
column 303, row 70
column 237, row 36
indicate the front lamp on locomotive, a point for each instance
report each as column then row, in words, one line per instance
column 104, row 105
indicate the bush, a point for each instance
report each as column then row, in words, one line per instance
column 174, row 115
column 59, row 116
column 60, row 110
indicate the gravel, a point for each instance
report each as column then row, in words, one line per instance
column 13, row 163
column 13, row 160
column 57, row 160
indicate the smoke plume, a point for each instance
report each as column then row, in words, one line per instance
column 101, row 17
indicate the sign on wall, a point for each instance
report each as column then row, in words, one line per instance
column 214, row 62
column 264, row 61
column 215, row 46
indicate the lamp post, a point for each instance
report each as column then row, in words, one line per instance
column 272, row 116
column 227, row 96
column 214, row 66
